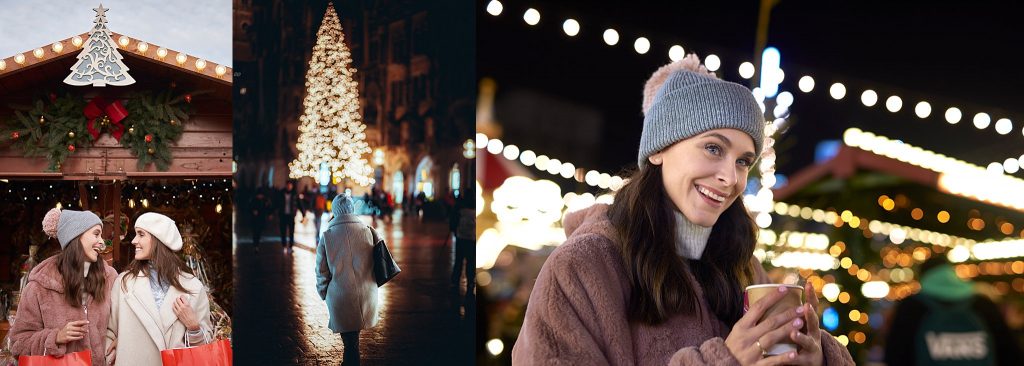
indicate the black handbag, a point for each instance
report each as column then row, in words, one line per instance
column 384, row 267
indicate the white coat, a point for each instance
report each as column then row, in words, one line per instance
column 142, row 330
column 344, row 268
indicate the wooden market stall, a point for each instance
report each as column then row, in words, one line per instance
column 107, row 149
column 884, row 210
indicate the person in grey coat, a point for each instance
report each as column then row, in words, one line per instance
column 344, row 271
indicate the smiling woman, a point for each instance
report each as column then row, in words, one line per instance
column 168, row 288
column 54, row 317
column 665, row 265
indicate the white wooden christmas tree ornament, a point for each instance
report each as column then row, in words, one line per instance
column 99, row 63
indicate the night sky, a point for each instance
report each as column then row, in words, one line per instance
column 946, row 53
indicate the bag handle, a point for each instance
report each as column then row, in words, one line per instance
column 206, row 336
column 376, row 237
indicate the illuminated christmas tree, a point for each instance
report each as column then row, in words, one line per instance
column 331, row 129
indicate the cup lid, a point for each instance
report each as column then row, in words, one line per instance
column 773, row 285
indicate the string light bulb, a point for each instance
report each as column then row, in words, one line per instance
column 531, row 16
column 642, row 45
column 611, row 37
column 571, row 27
column 494, row 8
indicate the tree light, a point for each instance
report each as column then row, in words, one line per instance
column 331, row 131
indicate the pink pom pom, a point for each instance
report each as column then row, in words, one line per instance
column 50, row 222
column 691, row 62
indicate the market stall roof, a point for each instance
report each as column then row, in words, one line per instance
column 493, row 170
column 856, row 180
column 50, row 63
column 204, row 149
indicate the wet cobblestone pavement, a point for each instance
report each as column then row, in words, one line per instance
column 280, row 320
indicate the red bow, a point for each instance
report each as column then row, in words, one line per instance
column 98, row 108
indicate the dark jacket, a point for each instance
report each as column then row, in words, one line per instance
column 911, row 311
column 296, row 204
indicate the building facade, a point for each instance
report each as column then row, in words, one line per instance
column 414, row 64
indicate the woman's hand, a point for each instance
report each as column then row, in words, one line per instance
column 112, row 351
column 810, row 343
column 72, row 331
column 185, row 314
column 749, row 339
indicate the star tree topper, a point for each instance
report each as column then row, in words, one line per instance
column 99, row 63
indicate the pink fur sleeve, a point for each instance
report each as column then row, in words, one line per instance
column 576, row 314
column 28, row 336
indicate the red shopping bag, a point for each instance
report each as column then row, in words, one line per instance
column 217, row 353
column 80, row 358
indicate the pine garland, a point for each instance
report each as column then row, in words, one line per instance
column 57, row 129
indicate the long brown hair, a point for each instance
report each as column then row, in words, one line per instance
column 70, row 262
column 168, row 267
column 643, row 218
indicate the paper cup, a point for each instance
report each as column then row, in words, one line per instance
column 794, row 298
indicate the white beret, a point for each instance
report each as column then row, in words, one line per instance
column 162, row 227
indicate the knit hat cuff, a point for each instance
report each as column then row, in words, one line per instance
column 690, row 111
column 73, row 223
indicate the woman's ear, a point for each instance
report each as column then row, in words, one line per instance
column 655, row 158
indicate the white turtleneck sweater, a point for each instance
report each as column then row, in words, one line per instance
column 691, row 239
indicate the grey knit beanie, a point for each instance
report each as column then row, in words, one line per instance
column 66, row 225
column 342, row 205
column 691, row 101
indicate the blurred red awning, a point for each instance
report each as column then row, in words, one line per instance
column 495, row 169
